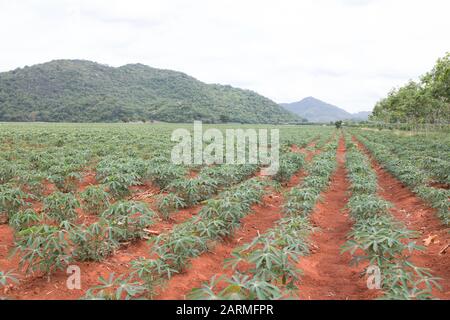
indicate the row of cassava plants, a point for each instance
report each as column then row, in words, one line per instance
column 377, row 239
column 22, row 180
column 266, row 268
column 185, row 192
column 406, row 171
column 171, row 252
column 31, row 158
column 47, row 247
column 217, row 219
column 51, row 239
column 429, row 154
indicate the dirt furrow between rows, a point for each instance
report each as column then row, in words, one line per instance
column 327, row 273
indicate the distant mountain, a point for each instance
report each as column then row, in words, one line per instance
column 315, row 110
column 84, row 91
column 363, row 115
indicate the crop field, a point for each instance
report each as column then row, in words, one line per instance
column 350, row 214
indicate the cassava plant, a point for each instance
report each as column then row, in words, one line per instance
column 95, row 199
column 42, row 248
column 24, row 219
column 61, row 206
column 12, row 199
column 129, row 219
column 96, row 241
column 238, row 287
column 115, row 288
column 169, row 203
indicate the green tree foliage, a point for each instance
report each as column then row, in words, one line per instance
column 83, row 91
column 427, row 101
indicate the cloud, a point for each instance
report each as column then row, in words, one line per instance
column 347, row 52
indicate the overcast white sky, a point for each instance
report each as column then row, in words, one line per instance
column 346, row 52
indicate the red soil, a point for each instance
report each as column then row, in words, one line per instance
column 440, row 185
column 48, row 188
column 327, row 273
column 193, row 174
column 295, row 148
column 418, row 216
column 87, row 181
column 6, row 244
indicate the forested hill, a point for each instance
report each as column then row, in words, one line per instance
column 83, row 91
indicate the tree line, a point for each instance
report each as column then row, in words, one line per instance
column 426, row 101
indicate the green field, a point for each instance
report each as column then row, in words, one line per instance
column 92, row 194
